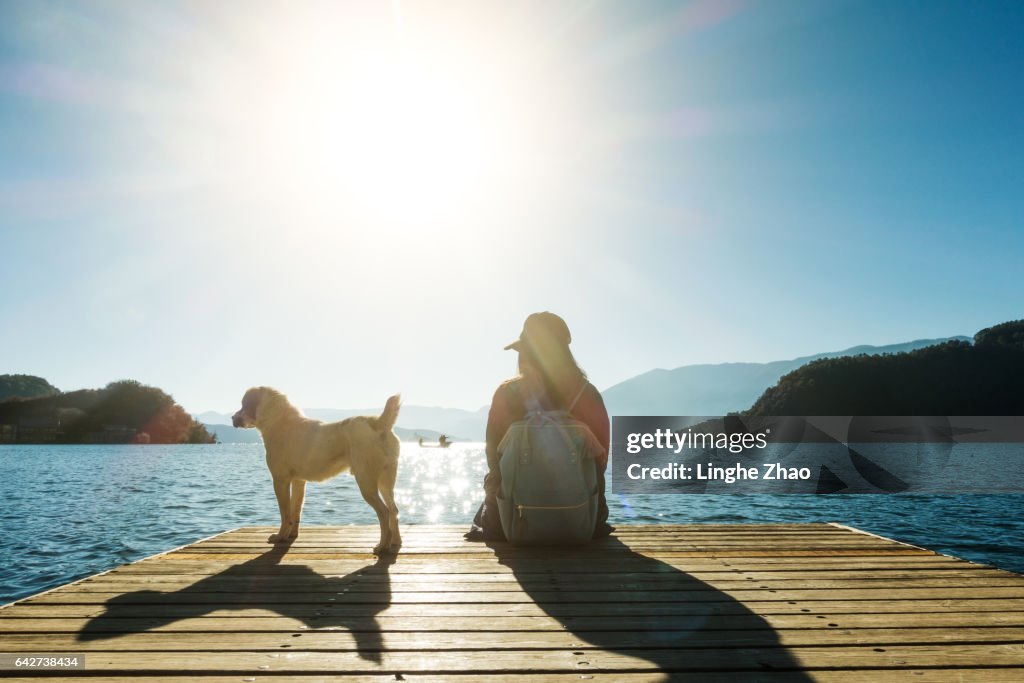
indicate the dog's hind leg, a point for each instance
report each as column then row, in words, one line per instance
column 298, row 496
column 372, row 497
column 282, row 489
column 387, row 491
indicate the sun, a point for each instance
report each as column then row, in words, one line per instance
column 409, row 136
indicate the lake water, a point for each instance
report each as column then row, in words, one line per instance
column 71, row 511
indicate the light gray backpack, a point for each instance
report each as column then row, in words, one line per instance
column 549, row 490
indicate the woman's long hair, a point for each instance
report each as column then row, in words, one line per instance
column 557, row 368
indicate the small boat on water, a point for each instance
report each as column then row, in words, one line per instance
column 443, row 442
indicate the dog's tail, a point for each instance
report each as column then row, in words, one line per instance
column 386, row 422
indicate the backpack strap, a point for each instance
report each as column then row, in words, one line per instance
column 530, row 404
column 578, row 395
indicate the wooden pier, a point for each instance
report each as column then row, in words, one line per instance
column 736, row 602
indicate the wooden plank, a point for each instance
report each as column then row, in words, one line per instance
column 416, row 532
column 444, row 543
column 509, row 640
column 180, row 563
column 341, row 610
column 542, row 661
column 919, row 675
column 1013, row 596
column 868, row 548
column 458, row 531
column 677, row 549
column 302, row 590
column 638, row 580
column 94, row 628
column 666, row 555
column 647, row 531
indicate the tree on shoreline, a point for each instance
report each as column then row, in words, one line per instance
column 123, row 411
column 25, row 386
column 954, row 378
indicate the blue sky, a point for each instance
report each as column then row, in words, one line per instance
column 350, row 200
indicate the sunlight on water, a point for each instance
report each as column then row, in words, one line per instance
column 440, row 483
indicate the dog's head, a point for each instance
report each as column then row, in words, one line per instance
column 246, row 416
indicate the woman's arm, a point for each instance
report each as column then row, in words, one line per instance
column 497, row 424
column 592, row 412
column 503, row 413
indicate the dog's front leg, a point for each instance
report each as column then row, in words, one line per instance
column 282, row 489
column 298, row 495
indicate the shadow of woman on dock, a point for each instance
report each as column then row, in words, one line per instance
column 294, row 591
column 630, row 605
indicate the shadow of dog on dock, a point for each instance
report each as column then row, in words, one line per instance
column 631, row 612
column 293, row 591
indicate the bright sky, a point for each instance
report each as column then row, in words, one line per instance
column 348, row 200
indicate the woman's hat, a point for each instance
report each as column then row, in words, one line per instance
column 542, row 327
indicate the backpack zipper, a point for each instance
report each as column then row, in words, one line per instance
column 521, row 508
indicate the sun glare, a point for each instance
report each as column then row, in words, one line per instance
column 406, row 136
column 395, row 129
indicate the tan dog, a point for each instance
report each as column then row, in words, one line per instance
column 300, row 449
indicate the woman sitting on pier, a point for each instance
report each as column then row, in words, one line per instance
column 549, row 378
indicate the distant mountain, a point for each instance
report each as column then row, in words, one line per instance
column 413, row 422
column 458, row 424
column 718, row 389
column 228, row 434
column 428, row 435
column 225, row 433
column 213, row 418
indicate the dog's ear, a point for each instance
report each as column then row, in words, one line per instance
column 251, row 401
